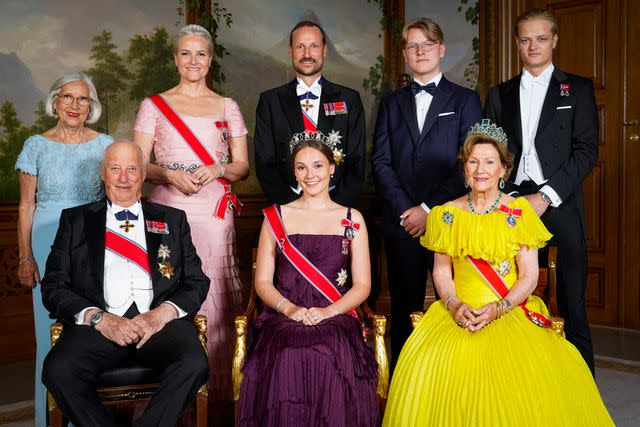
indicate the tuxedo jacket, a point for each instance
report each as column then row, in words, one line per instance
column 566, row 139
column 279, row 116
column 74, row 277
column 413, row 167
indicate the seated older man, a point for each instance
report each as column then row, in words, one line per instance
column 122, row 276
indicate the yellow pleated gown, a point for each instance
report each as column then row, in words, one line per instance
column 509, row 373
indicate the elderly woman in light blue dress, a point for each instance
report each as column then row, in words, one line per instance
column 58, row 169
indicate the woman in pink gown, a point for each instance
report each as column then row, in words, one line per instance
column 183, row 180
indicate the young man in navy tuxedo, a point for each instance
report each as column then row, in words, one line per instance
column 310, row 103
column 551, row 121
column 417, row 136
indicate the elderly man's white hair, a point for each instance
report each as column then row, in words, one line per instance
column 75, row 76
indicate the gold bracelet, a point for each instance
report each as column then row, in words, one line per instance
column 27, row 259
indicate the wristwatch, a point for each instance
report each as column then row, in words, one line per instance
column 545, row 197
column 96, row 318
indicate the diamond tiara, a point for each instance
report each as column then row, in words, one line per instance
column 332, row 140
column 490, row 130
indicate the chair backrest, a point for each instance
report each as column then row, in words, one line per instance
column 546, row 288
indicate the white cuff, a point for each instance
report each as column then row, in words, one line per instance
column 425, row 207
column 555, row 199
column 80, row 316
column 181, row 312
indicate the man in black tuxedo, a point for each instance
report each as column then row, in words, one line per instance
column 418, row 133
column 551, row 121
column 122, row 276
column 309, row 103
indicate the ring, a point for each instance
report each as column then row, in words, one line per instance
column 299, row 318
column 460, row 324
column 314, row 317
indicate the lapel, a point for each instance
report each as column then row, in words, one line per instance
column 151, row 213
column 440, row 99
column 291, row 106
column 512, row 118
column 551, row 101
column 329, row 93
column 95, row 224
column 407, row 104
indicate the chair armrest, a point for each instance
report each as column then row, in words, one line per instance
column 416, row 317
column 239, row 355
column 55, row 331
column 200, row 321
column 379, row 329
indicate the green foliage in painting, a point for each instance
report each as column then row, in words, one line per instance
column 152, row 56
column 12, row 135
column 43, row 121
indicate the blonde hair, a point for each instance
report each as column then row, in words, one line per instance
column 429, row 27
column 536, row 13
column 193, row 30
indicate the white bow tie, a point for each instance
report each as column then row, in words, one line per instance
column 315, row 89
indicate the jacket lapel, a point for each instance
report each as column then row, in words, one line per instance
column 95, row 223
column 328, row 94
column 407, row 104
column 153, row 239
column 551, row 100
column 440, row 99
column 512, row 122
column 291, row 106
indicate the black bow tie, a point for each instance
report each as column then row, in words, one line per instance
column 416, row 88
column 125, row 215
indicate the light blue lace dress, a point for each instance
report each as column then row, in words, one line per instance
column 68, row 175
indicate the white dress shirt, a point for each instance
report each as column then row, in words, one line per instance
column 316, row 89
column 533, row 91
column 124, row 282
column 423, row 100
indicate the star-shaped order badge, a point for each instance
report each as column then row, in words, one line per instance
column 342, row 277
column 164, row 266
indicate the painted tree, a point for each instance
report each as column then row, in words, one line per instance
column 155, row 70
column 109, row 73
column 13, row 134
column 43, row 122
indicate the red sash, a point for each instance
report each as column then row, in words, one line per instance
column 127, row 249
column 491, row 276
column 309, row 126
column 309, row 271
column 229, row 199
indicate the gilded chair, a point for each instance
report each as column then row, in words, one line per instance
column 546, row 289
column 131, row 382
column 376, row 323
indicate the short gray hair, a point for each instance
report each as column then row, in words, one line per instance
column 75, row 76
column 193, row 30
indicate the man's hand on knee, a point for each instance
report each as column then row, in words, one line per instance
column 120, row 330
column 153, row 321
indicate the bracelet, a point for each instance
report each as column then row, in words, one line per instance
column 282, row 301
column 448, row 300
column 503, row 307
column 221, row 174
column 27, row 259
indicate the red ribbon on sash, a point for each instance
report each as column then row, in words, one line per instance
column 127, row 249
column 491, row 276
column 228, row 199
column 309, row 271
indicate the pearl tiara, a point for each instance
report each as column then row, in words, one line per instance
column 490, row 130
column 332, row 140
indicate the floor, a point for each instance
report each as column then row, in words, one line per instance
column 617, row 374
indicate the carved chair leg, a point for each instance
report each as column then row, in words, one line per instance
column 202, row 406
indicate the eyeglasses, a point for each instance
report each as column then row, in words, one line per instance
column 67, row 99
column 424, row 46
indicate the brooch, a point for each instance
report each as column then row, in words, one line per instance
column 504, row 268
column 335, row 108
column 447, row 217
column 512, row 214
column 342, row 277
column 164, row 266
column 157, row 227
column 223, row 125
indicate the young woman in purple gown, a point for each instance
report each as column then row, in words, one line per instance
column 309, row 365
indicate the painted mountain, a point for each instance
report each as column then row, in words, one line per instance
column 17, row 86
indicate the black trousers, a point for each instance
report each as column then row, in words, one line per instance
column 566, row 223
column 72, row 367
column 407, row 265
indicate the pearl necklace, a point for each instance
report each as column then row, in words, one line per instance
column 491, row 208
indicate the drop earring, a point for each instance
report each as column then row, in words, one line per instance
column 466, row 183
column 501, row 184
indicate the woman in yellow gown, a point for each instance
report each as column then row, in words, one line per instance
column 481, row 356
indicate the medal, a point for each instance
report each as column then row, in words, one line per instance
column 126, row 226
column 163, row 252
column 306, row 105
column 504, row 268
column 166, row 269
column 564, row 89
column 223, row 126
column 512, row 214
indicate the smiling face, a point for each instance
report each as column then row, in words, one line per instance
column 123, row 173
column 535, row 44
column 424, row 65
column 75, row 113
column 313, row 171
column 192, row 58
column 307, row 51
column 484, row 169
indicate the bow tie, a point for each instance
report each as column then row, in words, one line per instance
column 308, row 95
column 416, row 88
column 126, row 215
column 529, row 79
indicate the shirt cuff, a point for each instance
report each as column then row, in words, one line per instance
column 555, row 199
column 80, row 316
column 425, row 207
column 181, row 312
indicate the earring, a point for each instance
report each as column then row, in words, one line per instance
column 466, row 183
column 55, row 113
column 501, row 184
column 331, row 176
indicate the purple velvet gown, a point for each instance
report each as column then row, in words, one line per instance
column 298, row 375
